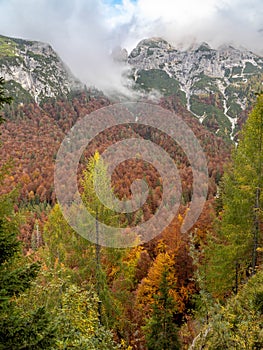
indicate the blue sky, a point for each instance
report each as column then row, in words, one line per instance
column 84, row 31
column 114, row 2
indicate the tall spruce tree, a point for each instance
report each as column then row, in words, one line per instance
column 161, row 329
column 18, row 329
column 233, row 255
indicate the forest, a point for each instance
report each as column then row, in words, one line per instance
column 197, row 290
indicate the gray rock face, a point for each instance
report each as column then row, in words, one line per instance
column 198, row 72
column 36, row 67
column 186, row 65
column 214, row 85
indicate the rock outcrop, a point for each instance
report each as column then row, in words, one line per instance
column 214, row 84
column 34, row 68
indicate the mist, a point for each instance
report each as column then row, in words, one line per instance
column 84, row 32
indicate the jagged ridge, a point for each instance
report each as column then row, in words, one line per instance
column 33, row 70
column 213, row 84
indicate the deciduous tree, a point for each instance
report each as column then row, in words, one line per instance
column 18, row 329
column 233, row 254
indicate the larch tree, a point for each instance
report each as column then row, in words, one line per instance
column 233, row 254
column 102, row 214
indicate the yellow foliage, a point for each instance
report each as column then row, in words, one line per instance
column 150, row 284
column 25, row 178
column 180, row 219
column 96, row 156
column 124, row 346
column 31, row 195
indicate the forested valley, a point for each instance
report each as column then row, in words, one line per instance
column 202, row 289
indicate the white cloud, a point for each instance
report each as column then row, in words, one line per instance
column 84, row 31
column 214, row 21
column 76, row 29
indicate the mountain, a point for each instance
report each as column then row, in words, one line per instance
column 48, row 101
column 214, row 85
column 34, row 71
column 46, row 106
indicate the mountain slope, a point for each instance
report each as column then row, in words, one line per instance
column 33, row 70
column 213, row 84
column 216, row 86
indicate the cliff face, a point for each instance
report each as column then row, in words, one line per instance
column 216, row 86
column 34, row 70
column 213, row 84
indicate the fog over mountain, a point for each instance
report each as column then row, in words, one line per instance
column 84, row 32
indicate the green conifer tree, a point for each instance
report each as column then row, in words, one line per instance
column 161, row 330
column 233, row 255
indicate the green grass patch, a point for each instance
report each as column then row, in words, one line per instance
column 236, row 70
column 227, row 72
column 203, row 48
column 11, row 61
column 149, row 52
column 206, row 82
column 159, row 80
column 236, row 80
column 215, row 118
column 7, row 47
column 234, row 109
column 19, row 94
column 250, row 68
column 22, row 42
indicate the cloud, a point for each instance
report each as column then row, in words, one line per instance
column 84, row 32
column 77, row 29
column 216, row 21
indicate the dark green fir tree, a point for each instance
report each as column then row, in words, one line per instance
column 161, row 331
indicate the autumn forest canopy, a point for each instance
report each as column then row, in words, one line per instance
column 202, row 289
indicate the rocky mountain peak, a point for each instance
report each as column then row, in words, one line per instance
column 34, row 69
column 203, row 47
column 146, row 47
column 212, row 83
column 215, row 85
column 154, row 42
